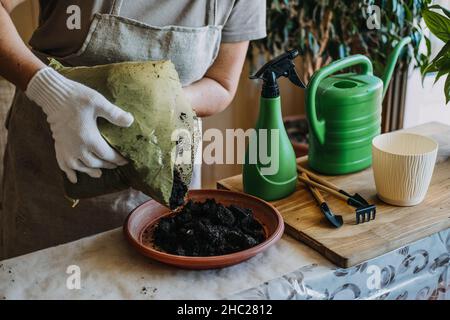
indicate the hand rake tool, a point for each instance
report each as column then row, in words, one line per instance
column 365, row 212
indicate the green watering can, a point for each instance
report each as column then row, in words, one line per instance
column 344, row 113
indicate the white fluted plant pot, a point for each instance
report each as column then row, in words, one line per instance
column 403, row 165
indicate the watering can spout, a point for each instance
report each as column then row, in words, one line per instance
column 391, row 63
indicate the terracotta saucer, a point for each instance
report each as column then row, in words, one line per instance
column 149, row 213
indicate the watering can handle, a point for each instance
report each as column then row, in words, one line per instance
column 318, row 126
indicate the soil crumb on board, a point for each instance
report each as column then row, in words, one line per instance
column 208, row 229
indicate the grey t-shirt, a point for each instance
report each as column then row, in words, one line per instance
column 241, row 19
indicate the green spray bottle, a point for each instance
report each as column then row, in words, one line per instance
column 270, row 170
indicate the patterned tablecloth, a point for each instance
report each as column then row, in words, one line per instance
column 419, row 271
column 106, row 267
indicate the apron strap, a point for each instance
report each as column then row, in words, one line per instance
column 212, row 12
column 116, row 6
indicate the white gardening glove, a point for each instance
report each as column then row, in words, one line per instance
column 72, row 110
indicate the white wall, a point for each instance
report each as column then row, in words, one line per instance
column 426, row 103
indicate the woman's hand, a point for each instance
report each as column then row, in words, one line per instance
column 217, row 89
column 72, row 110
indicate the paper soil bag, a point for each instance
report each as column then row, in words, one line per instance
column 161, row 143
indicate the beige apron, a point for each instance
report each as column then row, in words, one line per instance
column 35, row 214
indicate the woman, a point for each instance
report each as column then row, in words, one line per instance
column 52, row 123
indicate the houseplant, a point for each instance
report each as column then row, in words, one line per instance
column 439, row 25
column 326, row 30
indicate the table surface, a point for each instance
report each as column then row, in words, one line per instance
column 110, row 269
column 394, row 227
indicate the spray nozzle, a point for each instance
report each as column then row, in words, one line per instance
column 282, row 65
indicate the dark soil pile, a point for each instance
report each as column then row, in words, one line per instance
column 208, row 229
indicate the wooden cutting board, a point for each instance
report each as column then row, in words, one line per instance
column 352, row 244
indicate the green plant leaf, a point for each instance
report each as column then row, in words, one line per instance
column 443, row 68
column 445, row 51
column 447, row 89
column 438, row 24
column 428, row 44
column 429, row 68
column 394, row 5
column 276, row 4
column 291, row 21
column 445, row 10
